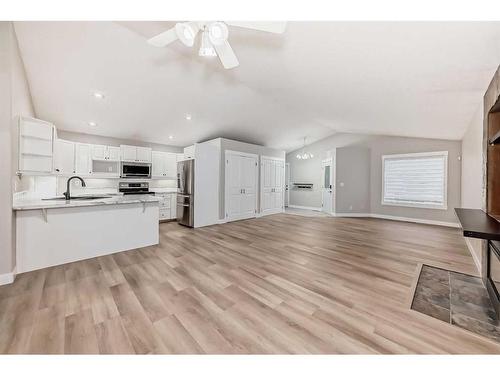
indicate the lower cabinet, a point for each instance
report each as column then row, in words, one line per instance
column 167, row 205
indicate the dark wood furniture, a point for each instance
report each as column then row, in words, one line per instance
column 478, row 224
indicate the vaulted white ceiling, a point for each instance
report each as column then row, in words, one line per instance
column 404, row 78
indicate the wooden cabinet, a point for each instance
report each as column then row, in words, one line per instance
column 135, row 154
column 36, row 146
column 272, row 185
column 164, row 164
column 241, row 185
column 83, row 159
column 64, row 157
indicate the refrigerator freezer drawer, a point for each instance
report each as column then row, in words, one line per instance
column 185, row 214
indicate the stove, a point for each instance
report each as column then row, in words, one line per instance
column 130, row 188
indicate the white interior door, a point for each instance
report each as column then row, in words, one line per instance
column 272, row 185
column 327, row 185
column 278, row 185
column 240, row 185
column 287, row 184
column 267, row 178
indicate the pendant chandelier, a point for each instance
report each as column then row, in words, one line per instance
column 303, row 155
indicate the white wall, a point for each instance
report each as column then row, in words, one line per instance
column 309, row 171
column 15, row 100
column 472, row 174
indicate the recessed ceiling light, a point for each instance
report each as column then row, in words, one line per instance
column 98, row 95
column 92, row 123
column 170, row 137
column 188, row 116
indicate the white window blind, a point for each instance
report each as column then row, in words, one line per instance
column 415, row 180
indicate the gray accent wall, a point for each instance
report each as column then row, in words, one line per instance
column 310, row 171
column 352, row 180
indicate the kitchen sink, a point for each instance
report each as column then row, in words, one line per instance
column 78, row 198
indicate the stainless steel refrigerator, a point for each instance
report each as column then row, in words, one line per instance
column 185, row 192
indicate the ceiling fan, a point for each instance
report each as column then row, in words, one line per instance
column 214, row 37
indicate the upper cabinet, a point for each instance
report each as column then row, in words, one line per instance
column 106, row 153
column 64, row 157
column 135, row 154
column 164, row 164
column 83, row 165
column 36, row 146
column 189, row 152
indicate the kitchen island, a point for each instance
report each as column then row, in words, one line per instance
column 53, row 232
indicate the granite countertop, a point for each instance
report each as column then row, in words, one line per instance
column 163, row 190
column 34, row 204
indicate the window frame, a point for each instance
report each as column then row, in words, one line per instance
column 444, row 206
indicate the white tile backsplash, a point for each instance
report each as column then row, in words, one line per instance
column 32, row 187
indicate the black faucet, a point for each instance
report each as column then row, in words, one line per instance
column 67, row 194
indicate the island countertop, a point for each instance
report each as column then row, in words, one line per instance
column 36, row 204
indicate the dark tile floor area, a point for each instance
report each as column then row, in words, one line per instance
column 458, row 299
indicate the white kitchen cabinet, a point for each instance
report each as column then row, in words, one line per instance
column 164, row 164
column 189, row 152
column 167, row 205
column 64, row 157
column 101, row 152
column 36, row 146
column 173, row 206
column 272, row 185
column 241, row 185
column 144, row 154
column 83, row 159
column 128, row 153
column 98, row 152
column 113, row 153
column 135, row 154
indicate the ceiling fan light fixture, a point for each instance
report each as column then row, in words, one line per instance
column 186, row 32
column 206, row 48
column 218, row 33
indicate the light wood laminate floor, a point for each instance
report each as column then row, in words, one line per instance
column 278, row 284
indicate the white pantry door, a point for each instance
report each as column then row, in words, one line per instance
column 241, row 185
column 279, row 178
column 272, row 185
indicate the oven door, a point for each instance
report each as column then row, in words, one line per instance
column 136, row 170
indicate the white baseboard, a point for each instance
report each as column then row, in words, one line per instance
column 399, row 218
column 473, row 253
column 305, row 207
column 8, row 278
column 418, row 221
column 350, row 214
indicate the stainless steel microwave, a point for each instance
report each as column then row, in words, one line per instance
column 135, row 170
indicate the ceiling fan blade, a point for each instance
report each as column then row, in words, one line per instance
column 226, row 55
column 164, row 38
column 270, row 27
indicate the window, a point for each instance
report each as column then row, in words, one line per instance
column 415, row 180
